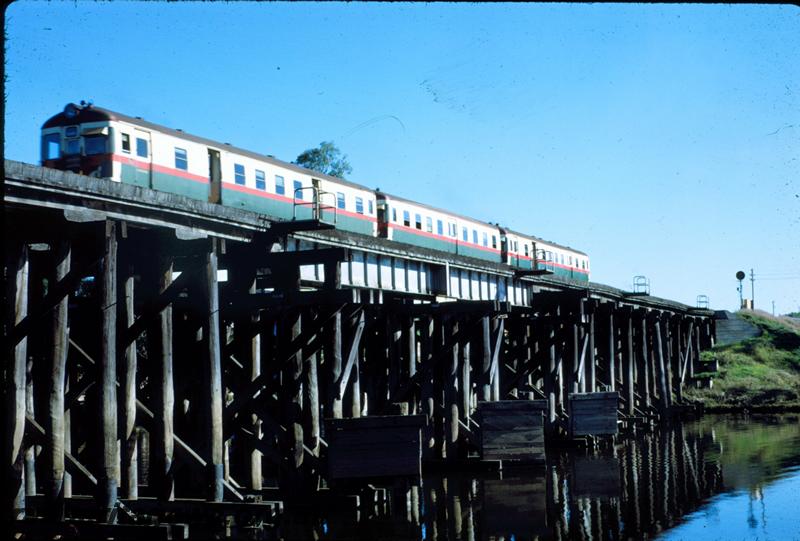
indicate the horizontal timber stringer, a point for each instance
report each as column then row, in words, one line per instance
column 217, row 387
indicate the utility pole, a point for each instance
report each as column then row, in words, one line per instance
column 753, row 288
column 773, row 308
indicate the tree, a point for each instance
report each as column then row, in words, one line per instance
column 326, row 159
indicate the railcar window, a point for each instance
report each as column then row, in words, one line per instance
column 340, row 200
column 394, row 215
column 418, row 221
column 359, row 205
column 406, row 218
column 261, row 180
column 465, row 234
column 126, row 143
column 73, row 146
column 439, row 227
column 141, row 147
column 181, row 161
column 51, row 146
column 494, row 242
column 297, row 186
column 429, row 224
column 95, row 144
column 525, row 247
column 474, row 236
column 238, row 174
column 280, row 189
column 451, row 229
column 485, row 238
column 369, row 206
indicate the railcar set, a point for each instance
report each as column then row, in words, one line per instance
column 106, row 144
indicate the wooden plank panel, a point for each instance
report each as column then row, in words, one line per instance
column 512, row 430
column 378, row 446
column 593, row 414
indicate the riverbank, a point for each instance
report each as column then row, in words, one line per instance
column 760, row 374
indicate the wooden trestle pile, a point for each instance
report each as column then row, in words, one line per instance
column 131, row 371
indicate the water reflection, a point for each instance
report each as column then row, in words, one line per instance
column 637, row 489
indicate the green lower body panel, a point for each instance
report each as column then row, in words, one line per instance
column 524, row 264
column 180, row 186
column 351, row 223
column 572, row 274
column 265, row 205
column 163, row 182
column 133, row 175
column 477, row 253
column 425, row 242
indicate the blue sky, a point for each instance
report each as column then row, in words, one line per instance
column 663, row 140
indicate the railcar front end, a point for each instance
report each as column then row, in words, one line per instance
column 79, row 139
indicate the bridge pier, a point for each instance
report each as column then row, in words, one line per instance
column 16, row 403
column 221, row 387
column 54, row 428
column 129, row 437
column 156, row 280
column 107, row 397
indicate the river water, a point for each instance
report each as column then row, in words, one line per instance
column 719, row 478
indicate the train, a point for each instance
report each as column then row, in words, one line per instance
column 98, row 142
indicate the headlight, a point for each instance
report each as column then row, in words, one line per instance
column 71, row 110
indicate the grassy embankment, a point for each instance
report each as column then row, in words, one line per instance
column 761, row 373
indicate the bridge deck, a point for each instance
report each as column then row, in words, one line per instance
column 85, row 199
column 105, row 340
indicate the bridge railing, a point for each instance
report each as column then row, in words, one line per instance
column 542, row 262
column 316, row 204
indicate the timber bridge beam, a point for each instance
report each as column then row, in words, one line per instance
column 133, row 370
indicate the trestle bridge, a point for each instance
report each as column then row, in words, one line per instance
column 189, row 356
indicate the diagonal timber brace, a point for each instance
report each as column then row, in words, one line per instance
column 55, row 295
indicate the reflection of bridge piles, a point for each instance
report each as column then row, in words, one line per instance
column 633, row 491
column 666, row 476
column 161, row 392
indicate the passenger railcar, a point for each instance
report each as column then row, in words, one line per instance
column 527, row 252
column 413, row 223
column 102, row 143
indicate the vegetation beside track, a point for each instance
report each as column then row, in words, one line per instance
column 757, row 374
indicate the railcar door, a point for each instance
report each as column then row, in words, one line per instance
column 144, row 159
column 383, row 217
column 505, row 254
column 214, row 177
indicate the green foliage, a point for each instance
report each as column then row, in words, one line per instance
column 327, row 159
column 760, row 371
